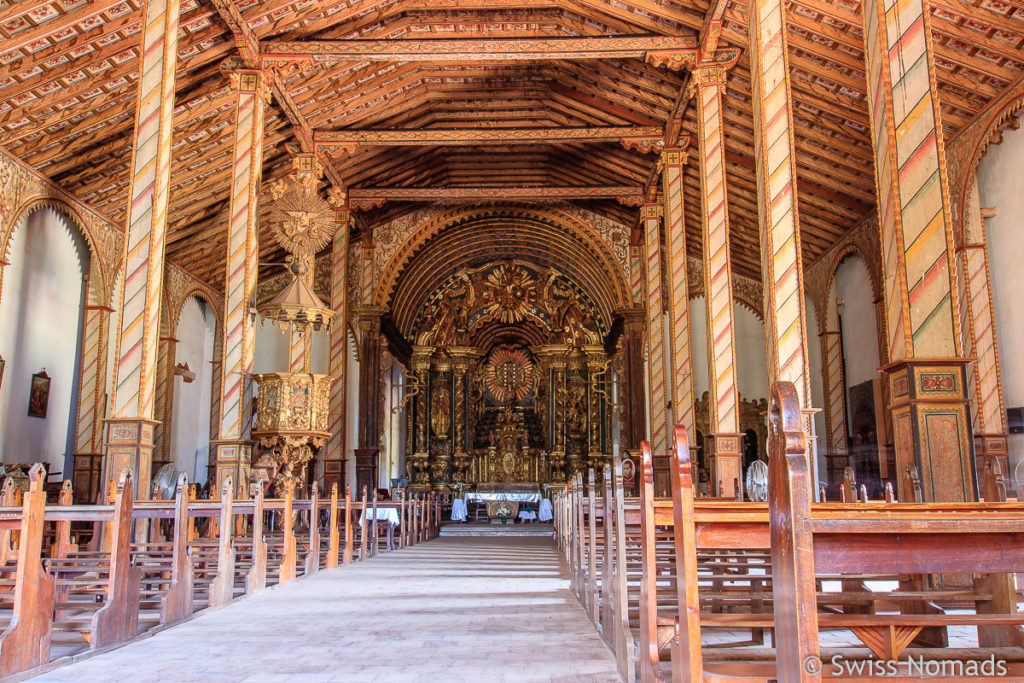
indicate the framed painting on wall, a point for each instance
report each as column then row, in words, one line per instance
column 39, row 394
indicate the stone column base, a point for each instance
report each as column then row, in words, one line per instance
column 726, row 461
column 232, row 457
column 931, row 427
column 128, row 443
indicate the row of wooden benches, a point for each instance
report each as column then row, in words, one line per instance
column 149, row 562
column 686, row 588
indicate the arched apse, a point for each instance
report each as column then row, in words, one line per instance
column 474, row 236
column 190, row 415
column 858, row 322
column 40, row 329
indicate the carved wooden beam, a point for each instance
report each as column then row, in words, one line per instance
column 372, row 197
column 519, row 49
column 245, row 40
column 333, row 141
column 712, row 28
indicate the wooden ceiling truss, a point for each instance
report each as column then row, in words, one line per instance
column 409, row 102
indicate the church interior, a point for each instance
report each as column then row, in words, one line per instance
column 287, row 284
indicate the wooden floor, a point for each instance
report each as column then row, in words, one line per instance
column 454, row 609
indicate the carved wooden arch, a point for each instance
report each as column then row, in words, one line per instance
column 98, row 276
column 968, row 147
column 616, row 285
column 852, row 248
column 179, row 286
column 736, row 300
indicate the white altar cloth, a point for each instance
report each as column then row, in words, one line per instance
column 546, row 513
column 390, row 515
column 459, row 510
column 527, row 514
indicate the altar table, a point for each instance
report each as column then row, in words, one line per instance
column 459, row 513
column 389, row 515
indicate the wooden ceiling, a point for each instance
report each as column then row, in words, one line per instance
column 68, row 86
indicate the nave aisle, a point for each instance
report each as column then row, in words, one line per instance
column 454, row 609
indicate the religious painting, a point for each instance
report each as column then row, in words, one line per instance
column 39, row 395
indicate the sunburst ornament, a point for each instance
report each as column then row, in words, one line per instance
column 509, row 294
column 509, row 375
column 302, row 222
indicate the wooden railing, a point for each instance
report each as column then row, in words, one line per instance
column 155, row 562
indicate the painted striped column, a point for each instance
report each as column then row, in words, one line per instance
column 927, row 378
column 781, row 269
column 979, row 335
column 679, row 302
column 637, row 273
column 338, row 354
column 92, row 378
column 723, row 420
column 660, row 414
column 911, row 180
column 129, row 438
column 238, row 350
column 835, row 382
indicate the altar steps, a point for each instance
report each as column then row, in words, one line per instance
column 481, row 529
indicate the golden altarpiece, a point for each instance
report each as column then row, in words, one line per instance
column 510, row 382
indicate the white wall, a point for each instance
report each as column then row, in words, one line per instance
column 999, row 185
column 860, row 329
column 40, row 328
column 751, row 355
column 190, row 420
column 814, row 367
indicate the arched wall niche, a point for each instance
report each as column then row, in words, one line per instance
column 41, row 323
column 480, row 234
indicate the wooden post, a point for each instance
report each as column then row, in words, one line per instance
column 223, row 587
column 362, row 528
column 624, row 647
column 347, row 557
column 176, row 603
column 648, row 578
column 606, row 560
column 686, row 648
column 332, row 543
column 796, row 611
column 288, row 552
column 592, row 595
column 256, row 579
column 25, row 643
column 312, row 565
column 401, row 517
column 118, row 619
column 375, row 548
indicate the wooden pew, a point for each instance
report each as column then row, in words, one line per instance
column 952, row 538
column 25, row 643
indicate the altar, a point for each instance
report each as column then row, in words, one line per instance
column 505, row 499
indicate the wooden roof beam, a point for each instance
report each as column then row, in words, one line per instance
column 366, row 197
column 332, row 141
column 276, row 53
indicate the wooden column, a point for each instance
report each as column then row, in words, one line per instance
column 164, row 402
column 977, row 324
column 679, row 303
column 631, row 387
column 233, row 449
column 371, row 346
column 129, row 431
column 92, row 381
column 723, row 442
column 334, row 462
column 926, row 376
column 660, row 411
